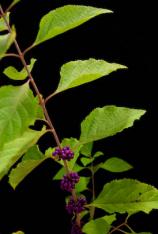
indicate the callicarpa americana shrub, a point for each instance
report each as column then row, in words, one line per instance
column 22, row 105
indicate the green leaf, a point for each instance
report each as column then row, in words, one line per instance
column 59, row 174
column 127, row 195
column 116, row 165
column 82, row 185
column 14, row 149
column 3, row 25
column 79, row 72
column 15, row 115
column 14, row 74
column 98, row 154
column 85, row 161
column 86, row 150
column 65, row 18
column 5, row 42
column 99, row 226
column 32, row 159
column 15, row 119
column 107, row 121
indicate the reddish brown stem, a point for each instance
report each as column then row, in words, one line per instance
column 41, row 100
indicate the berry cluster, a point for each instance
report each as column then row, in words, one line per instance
column 76, row 229
column 76, row 207
column 68, row 182
column 64, row 153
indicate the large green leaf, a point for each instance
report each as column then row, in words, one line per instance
column 79, row 72
column 14, row 149
column 14, row 74
column 18, row 110
column 65, row 18
column 3, row 25
column 127, row 195
column 116, row 165
column 99, row 226
column 30, row 161
column 107, row 121
column 5, row 42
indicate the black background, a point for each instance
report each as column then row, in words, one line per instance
column 125, row 37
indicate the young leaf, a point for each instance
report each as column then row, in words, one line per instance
column 98, row 154
column 127, row 195
column 99, row 226
column 79, row 72
column 85, row 161
column 14, row 149
column 3, row 25
column 107, row 121
column 14, row 74
column 82, row 185
column 15, row 105
column 116, row 165
column 5, row 42
column 30, row 161
column 65, row 18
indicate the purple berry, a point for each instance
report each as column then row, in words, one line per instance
column 76, row 229
column 64, row 153
column 76, row 207
column 68, row 182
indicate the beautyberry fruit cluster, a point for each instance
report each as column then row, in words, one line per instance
column 76, row 229
column 68, row 182
column 64, row 153
column 76, row 207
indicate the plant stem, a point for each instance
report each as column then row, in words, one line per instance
column 132, row 231
column 27, row 49
column 92, row 209
column 49, row 97
column 11, row 55
column 41, row 101
column 117, row 228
